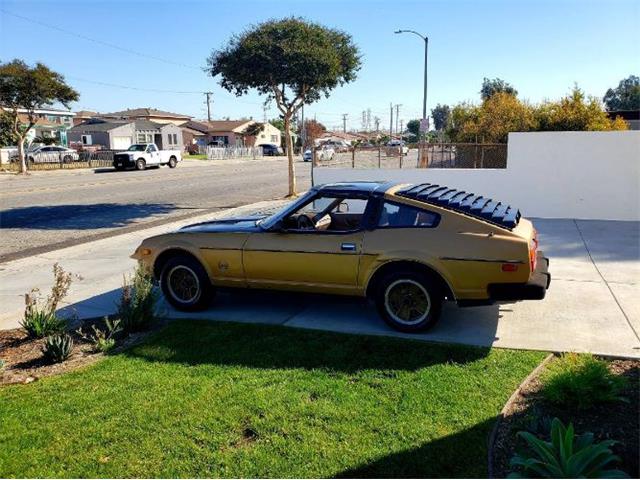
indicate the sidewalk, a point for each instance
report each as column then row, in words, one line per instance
column 100, row 264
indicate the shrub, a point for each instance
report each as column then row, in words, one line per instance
column 103, row 340
column 566, row 456
column 580, row 381
column 40, row 319
column 138, row 301
column 57, row 348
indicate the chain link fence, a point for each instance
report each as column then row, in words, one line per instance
column 438, row 155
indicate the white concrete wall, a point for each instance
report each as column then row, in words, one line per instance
column 582, row 175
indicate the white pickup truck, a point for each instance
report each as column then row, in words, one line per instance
column 143, row 155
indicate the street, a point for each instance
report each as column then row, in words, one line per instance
column 50, row 210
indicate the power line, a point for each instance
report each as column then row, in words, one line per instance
column 128, row 87
column 100, row 42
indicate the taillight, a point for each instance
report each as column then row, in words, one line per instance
column 533, row 251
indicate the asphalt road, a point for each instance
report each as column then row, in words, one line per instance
column 50, row 210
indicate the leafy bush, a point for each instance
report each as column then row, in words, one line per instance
column 138, row 301
column 57, row 348
column 566, row 456
column 103, row 340
column 40, row 319
column 580, row 381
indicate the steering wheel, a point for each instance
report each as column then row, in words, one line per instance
column 305, row 223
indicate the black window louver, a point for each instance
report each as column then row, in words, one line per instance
column 468, row 203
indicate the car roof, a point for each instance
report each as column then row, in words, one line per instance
column 378, row 187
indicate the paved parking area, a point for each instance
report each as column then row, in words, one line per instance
column 593, row 304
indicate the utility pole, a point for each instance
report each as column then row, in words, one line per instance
column 390, row 120
column 401, row 128
column 303, row 130
column 208, row 94
column 397, row 106
column 376, row 120
column 344, row 122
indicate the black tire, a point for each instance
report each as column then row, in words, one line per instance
column 67, row 159
column 141, row 164
column 420, row 290
column 173, row 162
column 177, row 293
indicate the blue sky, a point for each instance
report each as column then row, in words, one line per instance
column 541, row 47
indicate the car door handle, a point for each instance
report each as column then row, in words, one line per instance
column 348, row 247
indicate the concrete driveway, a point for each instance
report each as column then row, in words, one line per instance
column 593, row 304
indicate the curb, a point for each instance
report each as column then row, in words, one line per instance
column 492, row 437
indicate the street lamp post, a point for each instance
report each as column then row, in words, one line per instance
column 424, row 97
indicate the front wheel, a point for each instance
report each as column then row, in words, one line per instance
column 173, row 162
column 185, row 284
column 409, row 301
column 141, row 164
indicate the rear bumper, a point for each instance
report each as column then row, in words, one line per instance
column 534, row 289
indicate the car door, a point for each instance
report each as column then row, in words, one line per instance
column 307, row 260
column 154, row 155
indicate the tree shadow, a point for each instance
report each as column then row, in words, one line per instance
column 81, row 217
column 193, row 342
column 460, row 455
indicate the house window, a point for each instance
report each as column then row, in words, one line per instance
column 274, row 138
column 86, row 140
column 219, row 139
column 144, row 137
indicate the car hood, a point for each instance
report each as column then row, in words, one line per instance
column 239, row 225
column 126, row 152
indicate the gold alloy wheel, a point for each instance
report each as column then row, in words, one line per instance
column 407, row 301
column 183, row 284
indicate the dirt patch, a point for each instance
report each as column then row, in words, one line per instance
column 24, row 362
column 611, row 421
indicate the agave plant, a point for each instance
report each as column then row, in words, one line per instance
column 57, row 348
column 565, row 456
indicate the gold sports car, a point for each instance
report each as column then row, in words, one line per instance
column 406, row 247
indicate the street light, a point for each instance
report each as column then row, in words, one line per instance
column 426, row 48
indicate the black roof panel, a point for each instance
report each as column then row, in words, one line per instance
column 477, row 206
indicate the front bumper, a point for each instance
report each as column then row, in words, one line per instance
column 534, row 289
column 123, row 161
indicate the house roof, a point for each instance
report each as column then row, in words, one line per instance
column 195, row 125
column 86, row 113
column 147, row 125
column 146, row 112
column 93, row 126
column 225, row 125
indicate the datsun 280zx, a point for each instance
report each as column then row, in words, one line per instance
column 406, row 247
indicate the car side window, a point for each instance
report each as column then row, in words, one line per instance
column 396, row 215
column 152, row 148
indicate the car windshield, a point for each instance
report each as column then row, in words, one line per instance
column 138, row 147
column 267, row 222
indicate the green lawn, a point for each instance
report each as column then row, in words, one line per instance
column 238, row 400
column 197, row 156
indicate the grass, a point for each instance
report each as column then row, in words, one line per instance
column 197, row 156
column 580, row 381
column 232, row 400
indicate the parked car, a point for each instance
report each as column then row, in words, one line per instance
column 143, row 155
column 270, row 150
column 398, row 144
column 407, row 247
column 323, row 153
column 51, row 154
column 338, row 146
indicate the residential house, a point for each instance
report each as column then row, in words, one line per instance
column 84, row 115
column 50, row 123
column 231, row 133
column 149, row 114
column 120, row 134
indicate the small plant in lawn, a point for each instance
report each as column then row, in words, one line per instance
column 103, row 340
column 138, row 301
column 40, row 319
column 580, row 381
column 2, row 364
column 57, row 348
column 565, row 456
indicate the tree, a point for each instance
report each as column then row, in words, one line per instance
column 492, row 86
column 441, row 116
column 313, row 130
column 413, row 127
column 7, row 135
column 626, row 96
column 503, row 113
column 23, row 87
column 253, row 129
column 576, row 112
column 292, row 61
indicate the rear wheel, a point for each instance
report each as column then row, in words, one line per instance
column 409, row 301
column 141, row 164
column 185, row 284
column 67, row 159
column 173, row 162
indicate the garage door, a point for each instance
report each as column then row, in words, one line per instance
column 121, row 143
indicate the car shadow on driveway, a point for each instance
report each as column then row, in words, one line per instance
column 81, row 217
